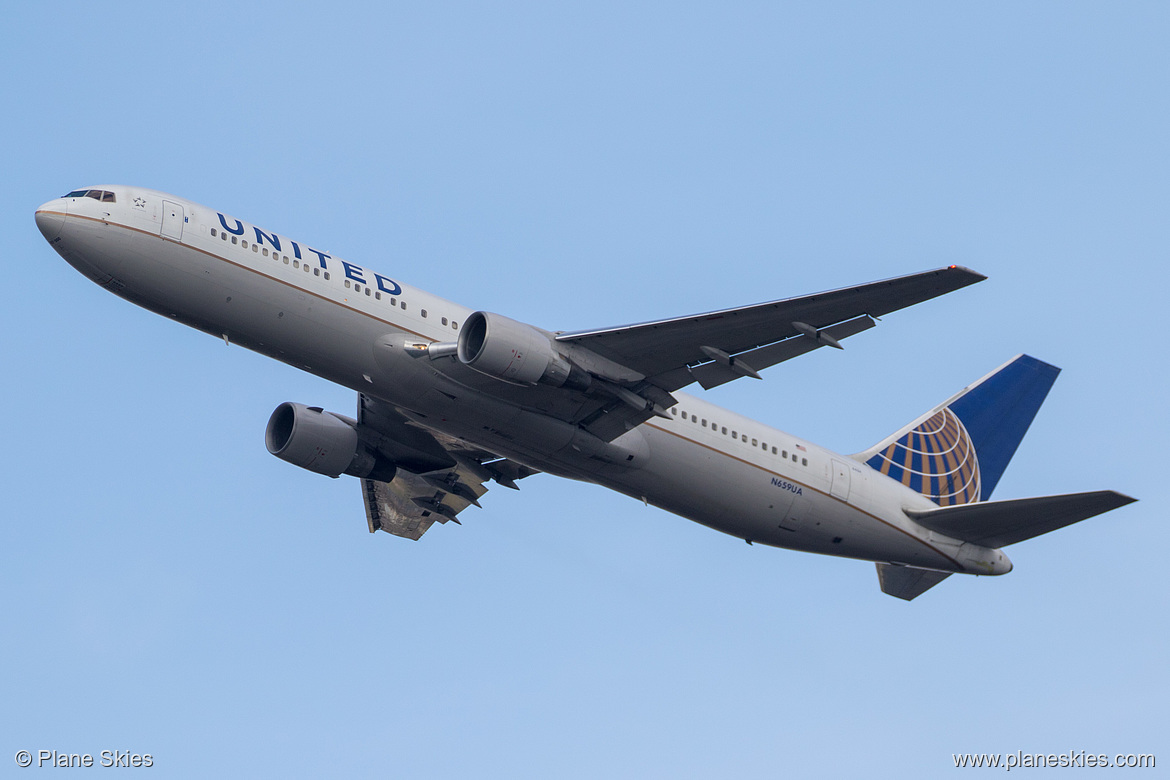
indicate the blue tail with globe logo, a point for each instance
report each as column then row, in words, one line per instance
column 957, row 452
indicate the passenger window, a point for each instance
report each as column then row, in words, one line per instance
column 704, row 423
column 347, row 284
column 754, row 442
column 377, row 296
column 326, row 276
column 286, row 259
column 255, row 248
column 734, row 435
column 424, row 312
column 454, row 324
column 316, row 272
column 235, row 240
column 773, row 450
column 794, row 458
column 674, row 411
column 214, row 233
column 404, row 305
column 444, row 320
column 784, row 454
column 306, row 267
column 804, row 461
column 684, row 415
column 223, row 236
column 244, row 244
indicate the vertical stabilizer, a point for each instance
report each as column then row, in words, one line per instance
column 957, row 452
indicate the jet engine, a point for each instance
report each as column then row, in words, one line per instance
column 517, row 353
column 323, row 442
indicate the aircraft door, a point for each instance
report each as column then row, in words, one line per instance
column 840, row 486
column 172, row 221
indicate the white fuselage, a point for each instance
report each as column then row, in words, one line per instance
column 348, row 324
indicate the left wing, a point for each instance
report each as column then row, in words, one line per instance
column 612, row 380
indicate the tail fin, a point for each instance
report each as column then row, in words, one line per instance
column 956, row 452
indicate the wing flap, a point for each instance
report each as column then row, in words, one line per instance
column 438, row 475
column 1000, row 523
column 718, row 372
column 390, row 509
column 409, row 504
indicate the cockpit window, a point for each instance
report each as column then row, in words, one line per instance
column 105, row 196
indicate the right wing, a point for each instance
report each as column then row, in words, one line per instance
column 409, row 504
column 438, row 476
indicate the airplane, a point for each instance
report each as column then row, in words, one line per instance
column 450, row 399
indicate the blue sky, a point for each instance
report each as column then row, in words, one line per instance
column 170, row 588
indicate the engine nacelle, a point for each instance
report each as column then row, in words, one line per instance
column 514, row 352
column 322, row 442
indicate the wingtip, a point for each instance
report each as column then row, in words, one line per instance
column 964, row 270
column 1122, row 499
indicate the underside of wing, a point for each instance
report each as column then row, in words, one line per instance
column 718, row 346
column 409, row 504
column 438, row 476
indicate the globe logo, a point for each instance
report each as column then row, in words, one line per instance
column 936, row 458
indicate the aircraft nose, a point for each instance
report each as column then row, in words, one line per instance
column 50, row 217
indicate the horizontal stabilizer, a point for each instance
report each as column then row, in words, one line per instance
column 908, row 582
column 1000, row 523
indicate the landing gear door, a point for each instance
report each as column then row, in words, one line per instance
column 172, row 221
